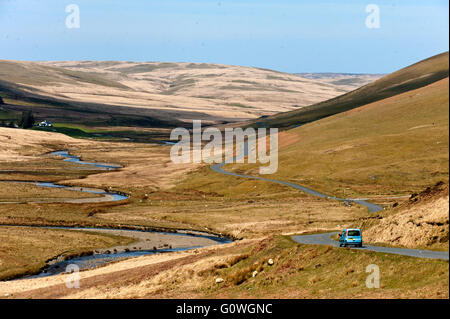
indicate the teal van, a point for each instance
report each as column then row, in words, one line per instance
column 350, row 237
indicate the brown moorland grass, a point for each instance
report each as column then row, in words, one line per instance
column 331, row 161
column 25, row 250
column 302, row 271
column 232, row 208
column 299, row 271
column 19, row 144
column 420, row 222
column 116, row 93
column 146, row 167
column 412, row 77
column 396, row 146
column 155, row 204
column 26, row 192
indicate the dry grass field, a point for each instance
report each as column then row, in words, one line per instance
column 421, row 222
column 160, row 195
column 298, row 271
column 18, row 145
column 24, row 250
column 393, row 147
column 248, row 209
column 413, row 77
column 26, row 192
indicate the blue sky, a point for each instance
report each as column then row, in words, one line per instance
column 290, row 36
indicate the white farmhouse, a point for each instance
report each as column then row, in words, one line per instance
column 45, row 124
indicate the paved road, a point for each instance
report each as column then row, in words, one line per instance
column 325, row 239
column 219, row 168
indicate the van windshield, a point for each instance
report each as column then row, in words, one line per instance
column 353, row 233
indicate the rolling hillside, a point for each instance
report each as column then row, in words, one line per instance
column 413, row 77
column 422, row 221
column 154, row 94
column 391, row 147
column 398, row 145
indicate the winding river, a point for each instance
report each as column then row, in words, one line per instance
column 145, row 242
column 107, row 195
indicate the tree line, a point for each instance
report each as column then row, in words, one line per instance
column 26, row 121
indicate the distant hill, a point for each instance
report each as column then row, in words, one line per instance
column 413, row 77
column 154, row 94
column 346, row 81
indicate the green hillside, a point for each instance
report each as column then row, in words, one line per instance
column 398, row 145
column 412, row 77
column 391, row 147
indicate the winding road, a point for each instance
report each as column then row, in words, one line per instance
column 219, row 168
column 325, row 239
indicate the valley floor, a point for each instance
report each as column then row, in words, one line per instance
column 164, row 196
